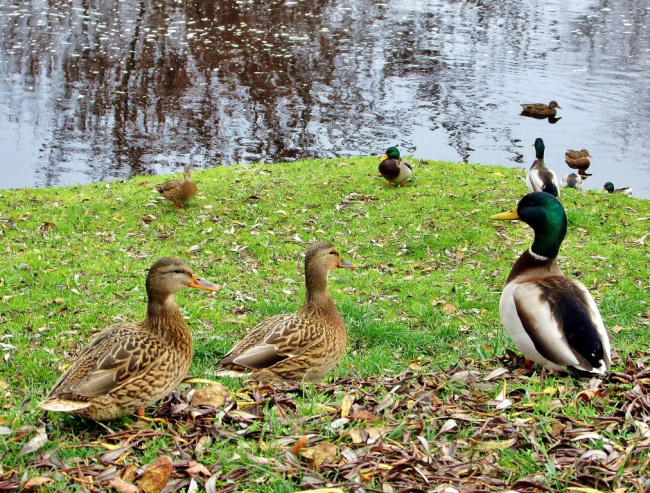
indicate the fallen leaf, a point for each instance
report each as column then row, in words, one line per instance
column 449, row 308
column 495, row 444
column 194, row 468
column 122, row 486
column 299, row 445
column 213, row 395
column 449, row 425
column 320, row 454
column 36, row 482
column 35, row 443
column 363, row 416
column 156, row 474
column 346, row 405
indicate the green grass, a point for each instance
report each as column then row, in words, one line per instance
column 431, row 267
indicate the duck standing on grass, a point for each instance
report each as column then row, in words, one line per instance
column 128, row 366
column 304, row 345
column 539, row 177
column 571, row 180
column 394, row 168
column 551, row 318
column 541, row 109
column 179, row 191
column 609, row 187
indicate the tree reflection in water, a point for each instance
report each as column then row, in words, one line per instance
column 103, row 89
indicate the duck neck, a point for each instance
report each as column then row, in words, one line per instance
column 531, row 264
column 318, row 300
column 165, row 321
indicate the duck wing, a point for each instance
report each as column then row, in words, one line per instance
column 272, row 341
column 561, row 321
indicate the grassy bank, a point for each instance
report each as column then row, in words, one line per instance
column 424, row 300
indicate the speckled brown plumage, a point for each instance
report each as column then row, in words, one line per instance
column 179, row 191
column 129, row 366
column 304, row 345
column 541, row 109
column 577, row 159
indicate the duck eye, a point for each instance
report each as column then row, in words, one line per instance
column 178, row 271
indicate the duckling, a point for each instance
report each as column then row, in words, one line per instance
column 394, row 168
column 304, row 345
column 609, row 187
column 130, row 365
column 179, row 191
column 577, row 159
column 551, row 318
column 539, row 177
column 541, row 109
column 571, row 180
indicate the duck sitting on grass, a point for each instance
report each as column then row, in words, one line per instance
column 394, row 168
column 304, row 345
column 539, row 177
column 551, row 318
column 128, row 366
column 609, row 187
column 179, row 191
column 571, row 180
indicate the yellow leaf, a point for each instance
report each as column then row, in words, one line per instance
column 346, row 405
column 496, row 444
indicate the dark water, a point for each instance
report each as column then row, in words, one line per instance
column 93, row 90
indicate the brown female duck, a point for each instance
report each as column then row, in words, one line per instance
column 179, row 191
column 541, row 109
column 304, row 345
column 128, row 366
column 394, row 168
column 577, row 159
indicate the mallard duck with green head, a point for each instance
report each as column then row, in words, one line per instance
column 539, row 178
column 304, row 345
column 609, row 187
column 179, row 191
column 128, row 366
column 577, row 159
column 394, row 168
column 551, row 318
column 541, row 109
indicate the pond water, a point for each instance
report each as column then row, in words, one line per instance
column 94, row 90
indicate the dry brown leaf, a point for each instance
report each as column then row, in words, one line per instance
column 449, row 308
column 213, row 395
column 369, row 435
column 122, row 486
column 322, row 453
column 363, row 416
column 36, row 482
column 35, row 443
column 155, row 476
column 194, row 468
column 589, row 395
column 299, row 445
